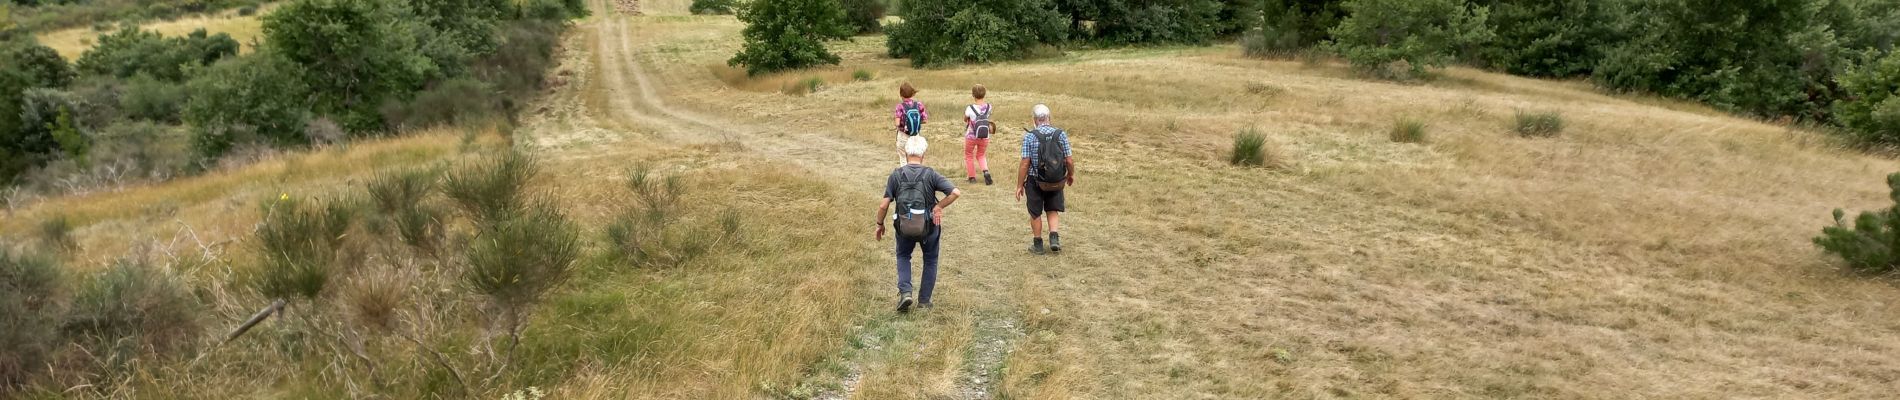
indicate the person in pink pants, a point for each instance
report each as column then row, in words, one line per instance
column 977, row 129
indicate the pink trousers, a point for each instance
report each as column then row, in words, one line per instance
column 975, row 156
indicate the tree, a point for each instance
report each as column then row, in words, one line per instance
column 789, row 34
column 132, row 51
column 1872, row 110
column 260, row 97
column 864, row 15
column 942, row 32
column 1559, row 38
column 356, row 55
column 1380, row 34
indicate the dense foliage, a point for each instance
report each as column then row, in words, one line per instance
column 864, row 15
column 1401, row 38
column 713, row 7
column 941, row 32
column 789, row 34
column 1872, row 242
column 39, row 15
column 366, row 66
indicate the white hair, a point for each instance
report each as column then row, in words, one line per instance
column 1041, row 112
column 915, row 146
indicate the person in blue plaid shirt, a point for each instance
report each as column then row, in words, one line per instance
column 1045, row 195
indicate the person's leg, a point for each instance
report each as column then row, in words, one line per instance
column 969, row 158
column 983, row 154
column 1034, row 203
column 904, row 249
column 1052, row 209
column 930, row 266
column 901, row 138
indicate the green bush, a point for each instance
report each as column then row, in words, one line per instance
column 789, row 34
column 30, row 305
column 1872, row 109
column 301, row 246
column 131, row 309
column 354, row 54
column 493, row 189
column 1539, row 123
column 862, row 75
column 944, row 32
column 450, row 102
column 1399, row 39
column 257, row 98
column 866, row 16
column 27, row 67
column 517, row 259
column 1407, row 130
column 1872, row 243
column 1250, row 149
column 150, row 99
column 1549, row 38
column 713, row 7
column 400, row 201
column 132, row 51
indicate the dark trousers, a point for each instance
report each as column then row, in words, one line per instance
column 904, row 249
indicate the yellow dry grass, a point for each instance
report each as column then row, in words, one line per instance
column 70, row 43
column 1654, row 249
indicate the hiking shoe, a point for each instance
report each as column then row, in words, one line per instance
column 1036, row 246
column 903, row 302
column 1055, row 242
column 986, row 179
column 972, row 180
column 925, row 306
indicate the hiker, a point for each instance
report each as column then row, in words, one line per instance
column 919, row 218
column 910, row 115
column 977, row 128
column 1048, row 167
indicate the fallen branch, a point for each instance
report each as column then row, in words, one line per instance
column 275, row 306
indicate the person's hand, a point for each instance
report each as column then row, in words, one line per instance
column 936, row 215
column 880, row 232
column 1070, row 181
column 1019, row 192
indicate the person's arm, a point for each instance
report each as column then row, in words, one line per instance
column 883, row 211
column 937, row 212
column 1022, row 175
column 1068, row 158
column 898, row 115
column 1071, row 178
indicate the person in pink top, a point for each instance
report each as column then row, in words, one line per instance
column 977, row 129
column 910, row 115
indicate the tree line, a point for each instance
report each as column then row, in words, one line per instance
column 1825, row 63
column 139, row 104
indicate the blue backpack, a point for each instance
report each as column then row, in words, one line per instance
column 913, row 117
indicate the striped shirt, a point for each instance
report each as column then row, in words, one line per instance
column 1031, row 146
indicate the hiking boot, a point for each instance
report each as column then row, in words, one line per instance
column 1036, row 246
column 973, row 180
column 903, row 302
column 925, row 306
column 1055, row 242
column 986, row 179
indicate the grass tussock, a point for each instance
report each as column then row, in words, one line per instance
column 132, row 310
column 1407, row 130
column 29, row 311
column 1532, row 124
column 1251, row 150
column 56, row 234
column 863, row 75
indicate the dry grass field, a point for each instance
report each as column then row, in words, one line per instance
column 1652, row 249
column 72, row 42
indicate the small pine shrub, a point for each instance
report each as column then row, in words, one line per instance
column 862, row 75
column 400, row 201
column 56, row 233
column 1408, row 130
column 300, row 245
column 656, row 193
column 491, row 189
column 517, row 259
column 1872, row 243
column 1250, row 149
column 132, row 309
column 1539, row 124
column 29, row 303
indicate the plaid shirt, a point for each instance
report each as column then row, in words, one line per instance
column 1031, row 146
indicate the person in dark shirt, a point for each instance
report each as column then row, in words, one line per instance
column 914, row 171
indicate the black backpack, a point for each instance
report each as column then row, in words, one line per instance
column 914, row 201
column 1051, row 169
column 982, row 124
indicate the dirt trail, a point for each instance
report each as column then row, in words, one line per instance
column 976, row 283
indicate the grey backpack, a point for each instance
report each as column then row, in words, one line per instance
column 982, row 124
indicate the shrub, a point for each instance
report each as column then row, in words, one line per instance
column 300, row 246
column 147, row 149
column 1549, row 38
column 1408, row 130
column 944, row 32
column 517, row 259
column 257, row 98
column 131, row 309
column 789, row 34
column 454, row 101
column 56, row 233
column 651, row 234
column 490, row 190
column 132, row 51
column 355, row 55
column 865, row 16
column 153, row 100
column 1250, row 149
column 713, row 7
column 1872, row 243
column 1539, row 123
column 862, row 75
column 400, row 199
column 1399, row 39
column 247, row 11
column 30, row 301
column 1872, row 108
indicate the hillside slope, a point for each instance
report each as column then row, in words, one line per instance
column 1653, row 249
